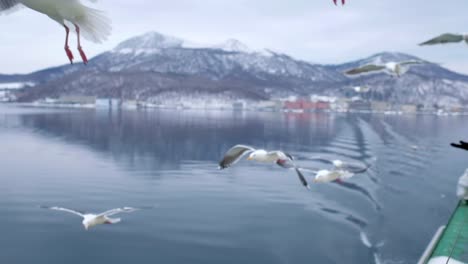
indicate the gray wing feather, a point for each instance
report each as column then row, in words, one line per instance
column 233, row 155
column 7, row 4
column 444, row 38
column 364, row 69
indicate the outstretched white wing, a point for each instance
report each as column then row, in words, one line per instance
column 233, row 155
column 118, row 211
column 64, row 210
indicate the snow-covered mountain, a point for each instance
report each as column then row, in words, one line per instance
column 155, row 66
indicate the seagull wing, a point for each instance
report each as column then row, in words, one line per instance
column 278, row 154
column 411, row 62
column 355, row 168
column 462, row 145
column 288, row 164
column 119, row 210
column 444, row 38
column 64, row 210
column 302, row 178
column 321, row 159
column 233, row 155
column 365, row 69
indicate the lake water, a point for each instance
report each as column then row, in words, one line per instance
column 251, row 213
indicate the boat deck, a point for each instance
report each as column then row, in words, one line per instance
column 452, row 247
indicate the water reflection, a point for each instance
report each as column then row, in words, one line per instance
column 88, row 158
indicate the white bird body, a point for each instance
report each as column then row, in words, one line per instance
column 90, row 220
column 89, row 22
column 332, row 175
column 58, row 12
column 262, row 155
column 391, row 65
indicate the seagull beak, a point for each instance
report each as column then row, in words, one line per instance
column 249, row 158
column 315, row 180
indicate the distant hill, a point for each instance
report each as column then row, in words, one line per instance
column 158, row 67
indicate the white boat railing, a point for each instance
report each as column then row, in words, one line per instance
column 430, row 248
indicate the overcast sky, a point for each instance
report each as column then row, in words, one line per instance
column 315, row 31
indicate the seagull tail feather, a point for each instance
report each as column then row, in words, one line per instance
column 94, row 25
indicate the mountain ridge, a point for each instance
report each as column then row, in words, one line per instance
column 152, row 65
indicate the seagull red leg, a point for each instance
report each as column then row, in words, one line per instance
column 343, row 2
column 82, row 54
column 67, row 49
column 334, row 1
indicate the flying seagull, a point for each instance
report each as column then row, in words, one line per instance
column 446, row 38
column 462, row 145
column 89, row 22
column 90, row 220
column 282, row 159
column 351, row 167
column 392, row 68
column 342, row 2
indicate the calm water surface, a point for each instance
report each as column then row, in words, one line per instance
column 251, row 213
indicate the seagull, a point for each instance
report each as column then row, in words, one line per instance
column 351, row 167
column 282, row 159
column 462, row 145
column 336, row 175
column 89, row 22
column 392, row 68
column 90, row 220
column 342, row 2
column 446, row 38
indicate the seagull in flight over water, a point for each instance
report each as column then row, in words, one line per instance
column 282, row 159
column 90, row 220
column 89, row 22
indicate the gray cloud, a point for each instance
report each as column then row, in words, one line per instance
column 315, row 31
